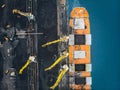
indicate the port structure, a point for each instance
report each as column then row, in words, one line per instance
column 33, row 72
column 74, row 40
column 77, row 29
column 79, row 61
column 78, row 75
column 31, row 38
column 62, row 30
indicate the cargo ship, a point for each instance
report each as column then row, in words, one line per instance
column 79, row 50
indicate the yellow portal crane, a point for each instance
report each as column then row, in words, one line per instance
column 60, row 76
column 57, row 61
column 30, row 60
column 29, row 15
column 63, row 39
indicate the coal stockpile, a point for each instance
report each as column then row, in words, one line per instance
column 14, row 20
column 47, row 24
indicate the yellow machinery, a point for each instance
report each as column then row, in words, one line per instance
column 62, row 73
column 30, row 60
column 29, row 15
column 63, row 39
column 79, row 52
column 58, row 61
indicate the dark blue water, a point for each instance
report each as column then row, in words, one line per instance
column 104, row 19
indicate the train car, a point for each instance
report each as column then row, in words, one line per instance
column 79, row 50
